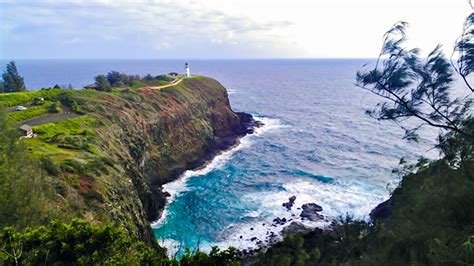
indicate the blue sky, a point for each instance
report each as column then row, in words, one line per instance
column 95, row 29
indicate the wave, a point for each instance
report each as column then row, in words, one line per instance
column 179, row 185
column 337, row 199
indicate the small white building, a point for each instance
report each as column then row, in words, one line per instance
column 188, row 72
column 27, row 131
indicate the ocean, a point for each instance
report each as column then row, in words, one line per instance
column 317, row 144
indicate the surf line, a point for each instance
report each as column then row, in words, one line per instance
column 178, row 186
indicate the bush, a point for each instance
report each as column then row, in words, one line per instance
column 54, row 107
column 50, row 167
column 75, row 243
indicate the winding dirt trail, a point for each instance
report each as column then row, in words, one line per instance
column 173, row 83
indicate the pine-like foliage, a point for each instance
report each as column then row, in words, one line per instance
column 417, row 87
column 12, row 81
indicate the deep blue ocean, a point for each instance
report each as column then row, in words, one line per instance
column 317, row 144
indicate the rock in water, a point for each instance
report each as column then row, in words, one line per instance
column 290, row 203
column 310, row 212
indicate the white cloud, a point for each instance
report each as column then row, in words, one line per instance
column 224, row 28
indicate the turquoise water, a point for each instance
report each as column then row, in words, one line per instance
column 317, row 144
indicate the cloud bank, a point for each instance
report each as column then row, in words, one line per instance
column 132, row 29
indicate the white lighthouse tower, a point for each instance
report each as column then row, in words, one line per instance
column 188, row 72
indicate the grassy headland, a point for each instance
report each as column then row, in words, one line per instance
column 105, row 165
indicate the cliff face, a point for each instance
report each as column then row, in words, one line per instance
column 152, row 137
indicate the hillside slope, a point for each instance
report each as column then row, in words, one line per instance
column 108, row 164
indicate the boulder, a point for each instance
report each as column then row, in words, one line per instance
column 310, row 212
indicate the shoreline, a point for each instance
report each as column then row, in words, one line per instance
column 228, row 144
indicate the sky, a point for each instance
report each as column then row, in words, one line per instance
column 223, row 29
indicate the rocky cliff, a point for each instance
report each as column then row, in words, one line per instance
column 142, row 139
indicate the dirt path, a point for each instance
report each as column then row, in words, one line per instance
column 173, row 83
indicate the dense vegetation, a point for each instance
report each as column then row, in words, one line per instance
column 116, row 79
column 80, row 243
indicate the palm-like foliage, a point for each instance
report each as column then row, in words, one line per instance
column 415, row 87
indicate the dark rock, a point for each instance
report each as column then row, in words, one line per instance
column 382, row 211
column 312, row 207
column 294, row 228
column 251, row 228
column 290, row 203
column 240, row 237
column 310, row 212
column 253, row 239
column 166, row 194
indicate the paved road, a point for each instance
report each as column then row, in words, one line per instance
column 48, row 118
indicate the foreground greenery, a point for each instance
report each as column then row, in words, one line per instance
column 80, row 243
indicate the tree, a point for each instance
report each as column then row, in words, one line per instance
column 102, row 83
column 416, row 87
column 114, row 77
column 464, row 49
column 13, row 82
column 148, row 77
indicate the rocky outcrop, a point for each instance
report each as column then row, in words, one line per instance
column 310, row 212
column 291, row 201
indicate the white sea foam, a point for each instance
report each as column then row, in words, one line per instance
column 336, row 199
column 178, row 186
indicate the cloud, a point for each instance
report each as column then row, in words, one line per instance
column 148, row 28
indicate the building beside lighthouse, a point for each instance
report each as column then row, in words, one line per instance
column 186, row 68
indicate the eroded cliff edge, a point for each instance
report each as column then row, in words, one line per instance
column 149, row 137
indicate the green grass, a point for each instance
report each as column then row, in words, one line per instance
column 64, row 140
column 82, row 125
column 41, row 148
column 25, row 97
column 31, row 112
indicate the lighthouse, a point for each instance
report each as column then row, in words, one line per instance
column 186, row 67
